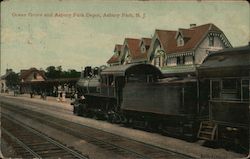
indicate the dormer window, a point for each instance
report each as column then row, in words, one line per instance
column 128, row 59
column 35, row 75
column 143, row 49
column 180, row 41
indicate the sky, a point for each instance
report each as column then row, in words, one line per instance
column 74, row 34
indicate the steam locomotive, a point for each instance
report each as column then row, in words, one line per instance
column 212, row 106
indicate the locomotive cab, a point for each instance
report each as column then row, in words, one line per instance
column 115, row 78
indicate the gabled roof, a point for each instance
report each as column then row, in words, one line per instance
column 141, row 56
column 133, row 46
column 115, row 57
column 146, row 41
column 186, row 33
column 194, row 37
column 118, row 47
column 166, row 37
column 25, row 73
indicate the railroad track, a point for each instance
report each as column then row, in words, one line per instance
column 29, row 143
column 128, row 148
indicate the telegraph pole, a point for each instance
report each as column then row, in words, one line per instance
column 249, row 112
column 249, row 118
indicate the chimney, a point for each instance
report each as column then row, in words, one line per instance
column 192, row 25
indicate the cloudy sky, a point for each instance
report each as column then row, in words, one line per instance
column 40, row 34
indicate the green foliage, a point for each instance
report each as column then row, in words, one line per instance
column 12, row 80
column 53, row 72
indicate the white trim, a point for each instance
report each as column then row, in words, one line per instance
column 181, row 54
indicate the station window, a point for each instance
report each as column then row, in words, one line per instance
column 158, row 61
column 180, row 60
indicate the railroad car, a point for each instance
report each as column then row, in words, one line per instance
column 224, row 77
column 135, row 95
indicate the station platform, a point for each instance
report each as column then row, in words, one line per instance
column 37, row 98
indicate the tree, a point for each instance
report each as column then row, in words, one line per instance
column 53, row 72
column 71, row 73
column 12, row 80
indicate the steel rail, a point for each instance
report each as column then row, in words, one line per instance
column 50, row 140
column 23, row 145
column 100, row 141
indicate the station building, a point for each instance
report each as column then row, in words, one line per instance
column 180, row 52
column 174, row 52
column 32, row 80
column 35, row 81
column 132, row 51
column 3, row 83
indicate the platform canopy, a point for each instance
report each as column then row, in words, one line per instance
column 124, row 70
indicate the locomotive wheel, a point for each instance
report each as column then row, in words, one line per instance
column 123, row 119
column 152, row 126
column 112, row 118
column 130, row 122
column 116, row 118
column 95, row 116
column 106, row 117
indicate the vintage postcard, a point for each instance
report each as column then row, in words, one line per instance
column 125, row 79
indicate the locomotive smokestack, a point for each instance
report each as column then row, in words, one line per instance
column 87, row 71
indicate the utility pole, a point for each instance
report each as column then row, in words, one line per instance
column 249, row 111
column 249, row 119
